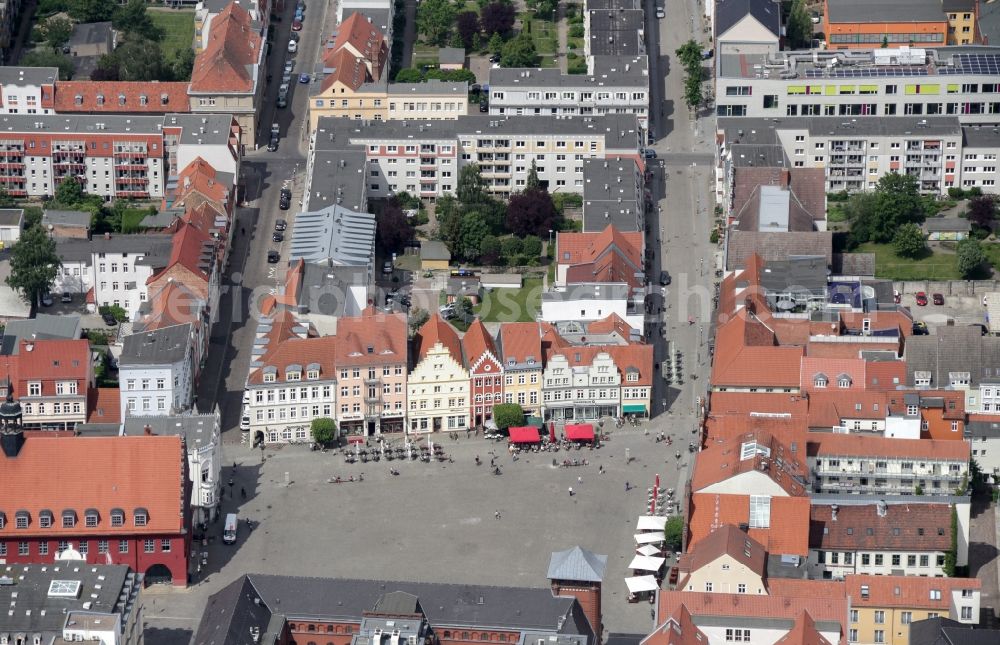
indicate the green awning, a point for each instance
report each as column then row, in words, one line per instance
column 536, row 422
column 634, row 409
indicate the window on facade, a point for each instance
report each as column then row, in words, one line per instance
column 117, row 518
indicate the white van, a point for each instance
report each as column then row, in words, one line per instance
column 229, row 531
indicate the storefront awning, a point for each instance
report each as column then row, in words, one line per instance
column 639, row 584
column 634, row 409
column 650, row 523
column 524, row 434
column 580, row 432
column 646, row 563
column 647, row 549
column 650, row 538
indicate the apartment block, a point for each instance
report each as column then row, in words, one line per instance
column 48, row 380
column 157, row 371
column 853, row 24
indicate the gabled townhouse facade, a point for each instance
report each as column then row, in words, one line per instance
column 438, row 386
column 486, row 372
column 579, row 384
column 50, row 379
column 371, row 362
column 521, row 349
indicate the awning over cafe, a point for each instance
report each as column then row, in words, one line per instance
column 639, row 584
column 580, row 432
column 524, row 434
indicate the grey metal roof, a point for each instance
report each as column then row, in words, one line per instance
column 598, row 291
column 944, row 631
column 773, row 209
column 880, row 11
column 11, row 216
column 984, row 136
column 197, row 429
column 936, row 224
column 860, row 264
column 988, row 429
column 730, row 12
column 609, row 71
column 451, row 56
column 800, row 273
column 201, row 128
column 74, row 219
column 21, row 76
column 80, row 250
column 611, row 195
column 434, row 250
column 160, row 347
column 432, row 86
column 232, row 612
column 577, row 564
column 338, row 177
column 334, row 235
column 90, row 33
column 42, row 326
column 961, row 348
column 32, row 610
column 326, row 290
column 763, row 131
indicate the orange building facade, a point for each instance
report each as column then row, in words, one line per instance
column 921, row 29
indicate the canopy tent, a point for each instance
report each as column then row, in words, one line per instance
column 639, row 584
column 355, row 438
column 646, row 563
column 650, row 523
column 648, row 549
column 535, row 422
column 580, row 432
column 523, row 434
column 634, row 409
column 650, row 538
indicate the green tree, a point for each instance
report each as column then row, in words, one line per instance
column 6, row 201
column 533, row 182
column 57, row 31
column 673, row 531
column 92, row 10
column 799, row 27
column 511, row 247
column 689, row 54
column 69, row 192
column 970, row 257
column 471, row 187
column 507, row 415
column 133, row 19
column 34, row 264
column 908, row 241
column 409, row 75
column 693, row 95
column 532, row 247
column 140, row 59
column 489, row 250
column 183, row 64
column 877, row 216
column 496, row 44
column 449, row 218
column 474, row 229
column 464, row 308
column 418, row 317
column 49, row 58
column 519, row 52
column 323, row 430
column 435, row 19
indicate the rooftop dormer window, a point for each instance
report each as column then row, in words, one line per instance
column 820, row 380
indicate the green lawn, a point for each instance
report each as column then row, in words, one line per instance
column 512, row 305
column 424, row 54
column 933, row 266
column 178, row 28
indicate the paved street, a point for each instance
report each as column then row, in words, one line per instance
column 432, row 522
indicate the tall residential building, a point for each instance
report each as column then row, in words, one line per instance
column 156, row 372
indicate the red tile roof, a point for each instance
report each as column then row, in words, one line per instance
column 174, row 304
column 831, row 608
column 192, row 249
column 479, row 346
column 632, row 359
column 521, row 341
column 788, row 533
column 726, row 540
column 906, row 591
column 724, row 460
column 743, row 345
column 904, row 527
column 829, row 408
column 803, row 633
column 854, row 445
column 434, row 331
column 301, row 352
column 744, row 403
column 48, row 361
column 345, row 67
column 199, row 176
column 133, row 473
column 612, row 324
column 385, row 334
column 232, row 49
column 677, row 629
column 358, row 34
column 832, row 369
column 104, row 405
column 160, row 97
column 884, row 375
column 789, row 430
column 607, row 256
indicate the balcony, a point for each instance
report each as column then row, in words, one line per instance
column 372, row 399
column 373, row 380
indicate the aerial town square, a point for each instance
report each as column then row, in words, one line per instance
column 524, row 322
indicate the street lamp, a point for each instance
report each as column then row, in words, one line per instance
column 550, row 238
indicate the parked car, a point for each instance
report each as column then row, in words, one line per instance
column 286, row 192
column 303, row 78
column 387, row 267
column 47, row 300
column 495, row 58
column 284, row 203
column 938, row 299
column 921, row 299
column 272, row 144
column 294, row 36
column 280, row 225
column 277, row 236
column 659, row 13
column 289, row 66
column 245, row 422
column 920, row 328
column 273, row 257
column 66, row 297
column 484, row 106
column 293, row 46
column 447, row 311
column 296, row 25
column 109, row 319
column 664, row 278
column 404, row 300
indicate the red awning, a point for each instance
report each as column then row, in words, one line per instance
column 581, row 432
column 524, row 434
column 355, row 438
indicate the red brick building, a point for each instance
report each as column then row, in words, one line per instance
column 485, row 372
column 107, row 500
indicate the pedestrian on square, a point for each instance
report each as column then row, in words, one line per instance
column 571, row 491
column 497, row 515
column 628, row 487
column 579, row 480
column 600, row 469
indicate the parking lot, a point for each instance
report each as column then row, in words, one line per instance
column 963, row 310
column 432, row 522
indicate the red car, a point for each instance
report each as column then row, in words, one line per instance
column 938, row 299
column 921, row 298
column 297, row 25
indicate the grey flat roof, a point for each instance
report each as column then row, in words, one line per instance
column 947, row 224
column 432, row 86
column 332, row 183
column 589, row 291
column 981, row 136
column 42, row 327
column 19, row 76
column 451, row 56
column 763, row 131
column 75, row 219
column 90, row 33
column 336, row 234
column 80, row 250
column 160, row 347
column 201, row 128
column 896, row 11
column 758, row 154
column 609, row 71
column 610, row 195
column 33, row 610
column 11, row 216
column 208, row 128
column 326, row 290
column 195, row 428
column 807, row 273
column 730, row 12
column 434, row 250
column 597, row 5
